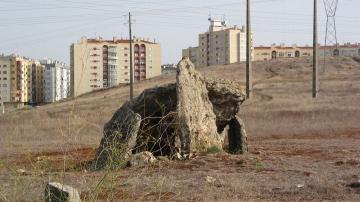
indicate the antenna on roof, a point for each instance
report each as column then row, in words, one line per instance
column 209, row 18
column 223, row 22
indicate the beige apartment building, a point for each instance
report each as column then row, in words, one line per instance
column 282, row 51
column 15, row 80
column 99, row 63
column 220, row 45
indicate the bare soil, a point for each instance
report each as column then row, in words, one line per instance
column 301, row 149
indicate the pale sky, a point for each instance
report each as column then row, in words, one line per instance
column 46, row 28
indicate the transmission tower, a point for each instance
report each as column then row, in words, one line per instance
column 331, row 43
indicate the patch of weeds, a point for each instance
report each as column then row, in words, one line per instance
column 258, row 165
column 213, row 150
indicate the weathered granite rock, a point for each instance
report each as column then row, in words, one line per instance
column 176, row 119
column 57, row 192
column 120, row 135
column 196, row 118
column 226, row 98
column 142, row 159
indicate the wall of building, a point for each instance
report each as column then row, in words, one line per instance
column 98, row 63
column 37, row 79
column 281, row 51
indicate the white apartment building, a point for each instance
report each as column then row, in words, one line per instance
column 56, row 80
column 220, row 45
column 97, row 63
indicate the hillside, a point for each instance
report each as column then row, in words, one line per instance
column 300, row 148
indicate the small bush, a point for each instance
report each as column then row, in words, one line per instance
column 213, row 150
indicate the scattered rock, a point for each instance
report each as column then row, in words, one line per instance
column 57, row 192
column 210, row 179
column 300, row 185
column 21, row 172
column 142, row 159
column 354, row 185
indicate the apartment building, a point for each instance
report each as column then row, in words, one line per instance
column 56, row 80
column 99, row 63
column 281, row 51
column 16, row 80
column 37, row 83
column 220, row 45
column 191, row 53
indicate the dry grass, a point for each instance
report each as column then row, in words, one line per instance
column 294, row 140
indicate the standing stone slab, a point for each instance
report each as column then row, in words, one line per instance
column 57, row 192
column 120, row 135
column 197, row 121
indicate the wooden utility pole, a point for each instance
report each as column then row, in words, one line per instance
column 131, row 62
column 248, row 51
column 315, row 55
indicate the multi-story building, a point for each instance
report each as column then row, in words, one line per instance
column 56, row 80
column 37, row 83
column 98, row 63
column 6, row 63
column 16, row 80
column 281, row 51
column 192, row 53
column 220, row 45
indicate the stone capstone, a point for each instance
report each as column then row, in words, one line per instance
column 174, row 120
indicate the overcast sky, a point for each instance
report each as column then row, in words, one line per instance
column 46, row 28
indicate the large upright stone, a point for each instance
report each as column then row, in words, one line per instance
column 197, row 121
column 57, row 192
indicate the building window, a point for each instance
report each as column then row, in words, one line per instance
column 4, row 72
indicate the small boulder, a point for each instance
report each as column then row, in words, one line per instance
column 142, row 159
column 57, row 192
column 22, row 172
column 354, row 185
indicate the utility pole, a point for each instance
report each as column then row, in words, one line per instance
column 315, row 56
column 248, row 51
column 131, row 62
